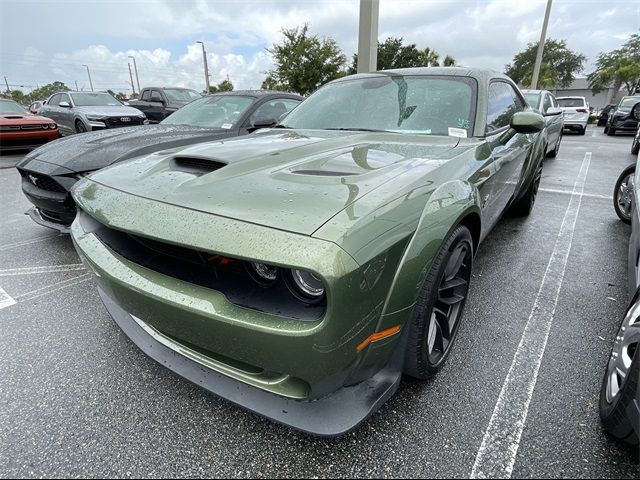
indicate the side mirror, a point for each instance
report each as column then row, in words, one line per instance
column 635, row 111
column 64, row 105
column 264, row 123
column 553, row 111
column 527, row 122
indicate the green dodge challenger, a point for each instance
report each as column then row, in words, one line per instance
column 301, row 270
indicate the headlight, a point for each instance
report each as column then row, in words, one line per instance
column 307, row 284
column 95, row 119
column 264, row 275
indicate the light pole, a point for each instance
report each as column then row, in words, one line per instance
column 7, row 83
column 368, row 36
column 543, row 36
column 89, row 74
column 135, row 67
column 206, row 67
column 131, row 77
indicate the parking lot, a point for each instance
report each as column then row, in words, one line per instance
column 79, row 399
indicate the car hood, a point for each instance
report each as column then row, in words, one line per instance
column 95, row 150
column 109, row 111
column 290, row 180
column 26, row 119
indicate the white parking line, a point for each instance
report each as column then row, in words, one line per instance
column 33, row 294
column 570, row 192
column 5, row 299
column 497, row 453
column 25, row 242
column 72, row 267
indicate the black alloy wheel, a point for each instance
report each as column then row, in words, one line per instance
column 623, row 194
column 436, row 316
column 80, row 128
column 524, row 205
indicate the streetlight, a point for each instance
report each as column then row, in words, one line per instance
column 89, row 73
column 135, row 67
column 131, row 77
column 206, row 67
column 543, row 35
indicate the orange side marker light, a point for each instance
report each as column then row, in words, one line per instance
column 375, row 337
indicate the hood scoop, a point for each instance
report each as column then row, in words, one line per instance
column 323, row 173
column 196, row 165
column 13, row 117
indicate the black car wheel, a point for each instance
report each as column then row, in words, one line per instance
column 554, row 153
column 611, row 131
column 436, row 315
column 619, row 388
column 80, row 128
column 524, row 205
column 635, row 146
column 623, row 194
column 582, row 131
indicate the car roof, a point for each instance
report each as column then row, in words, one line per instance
column 258, row 93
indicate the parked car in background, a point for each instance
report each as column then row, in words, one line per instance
column 575, row 113
column 20, row 130
column 300, row 270
column 49, row 173
column 635, row 146
column 78, row 112
column 158, row 103
column 621, row 119
column 603, row 115
column 35, row 107
column 545, row 103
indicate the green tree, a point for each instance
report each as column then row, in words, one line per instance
column 619, row 67
column 449, row 61
column 430, row 58
column 223, row 86
column 558, row 69
column 46, row 91
column 270, row 83
column 303, row 62
column 20, row 97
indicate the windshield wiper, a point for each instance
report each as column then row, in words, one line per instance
column 279, row 125
column 358, row 129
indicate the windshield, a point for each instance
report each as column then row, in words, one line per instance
column 94, row 100
column 628, row 102
column 181, row 94
column 571, row 102
column 222, row 111
column 408, row 104
column 533, row 99
column 11, row 107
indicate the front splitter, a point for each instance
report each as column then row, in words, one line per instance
column 329, row 416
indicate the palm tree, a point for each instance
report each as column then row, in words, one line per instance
column 430, row 58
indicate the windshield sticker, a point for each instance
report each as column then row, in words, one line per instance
column 226, row 125
column 457, row 132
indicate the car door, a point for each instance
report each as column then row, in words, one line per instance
column 66, row 114
column 156, row 106
column 50, row 109
column 509, row 150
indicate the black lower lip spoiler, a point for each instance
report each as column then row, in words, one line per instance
column 330, row 416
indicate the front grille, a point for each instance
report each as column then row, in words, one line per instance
column 32, row 127
column 118, row 121
column 225, row 275
column 44, row 182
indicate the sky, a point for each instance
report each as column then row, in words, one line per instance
column 46, row 40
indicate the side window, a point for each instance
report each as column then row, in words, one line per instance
column 273, row 110
column 156, row 96
column 55, row 100
column 146, row 95
column 501, row 106
column 64, row 98
column 547, row 103
column 554, row 102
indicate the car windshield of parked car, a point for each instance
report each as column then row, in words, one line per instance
column 94, row 100
column 628, row 102
column 181, row 95
column 7, row 108
column 571, row 102
column 533, row 99
column 408, row 104
column 223, row 111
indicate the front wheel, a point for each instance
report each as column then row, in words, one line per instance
column 80, row 127
column 619, row 388
column 436, row 315
column 524, row 205
column 623, row 194
column 611, row 131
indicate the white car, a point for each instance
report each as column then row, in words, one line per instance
column 576, row 113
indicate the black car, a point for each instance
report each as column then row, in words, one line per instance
column 620, row 118
column 157, row 103
column 604, row 114
column 49, row 172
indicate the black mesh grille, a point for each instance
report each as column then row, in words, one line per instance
column 44, row 182
column 199, row 164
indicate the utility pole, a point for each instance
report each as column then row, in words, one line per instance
column 77, row 89
column 135, row 67
column 543, row 37
column 7, row 83
column 206, row 67
column 131, row 76
column 368, row 36
column 89, row 74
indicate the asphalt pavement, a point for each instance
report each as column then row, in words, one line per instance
column 78, row 399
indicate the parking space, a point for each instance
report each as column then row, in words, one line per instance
column 79, row 399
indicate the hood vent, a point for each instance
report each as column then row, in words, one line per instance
column 196, row 165
column 323, row 173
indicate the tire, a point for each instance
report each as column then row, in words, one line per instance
column 623, row 194
column 80, row 127
column 614, row 407
column 583, row 131
column 554, row 153
column 611, row 131
column 523, row 206
column 439, row 306
column 606, row 130
column 635, row 146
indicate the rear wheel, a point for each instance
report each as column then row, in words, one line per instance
column 583, row 130
column 525, row 204
column 620, row 383
column 623, row 194
column 80, row 128
column 611, row 131
column 436, row 315
column 635, row 146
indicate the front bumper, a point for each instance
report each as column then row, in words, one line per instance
column 24, row 140
column 53, row 205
